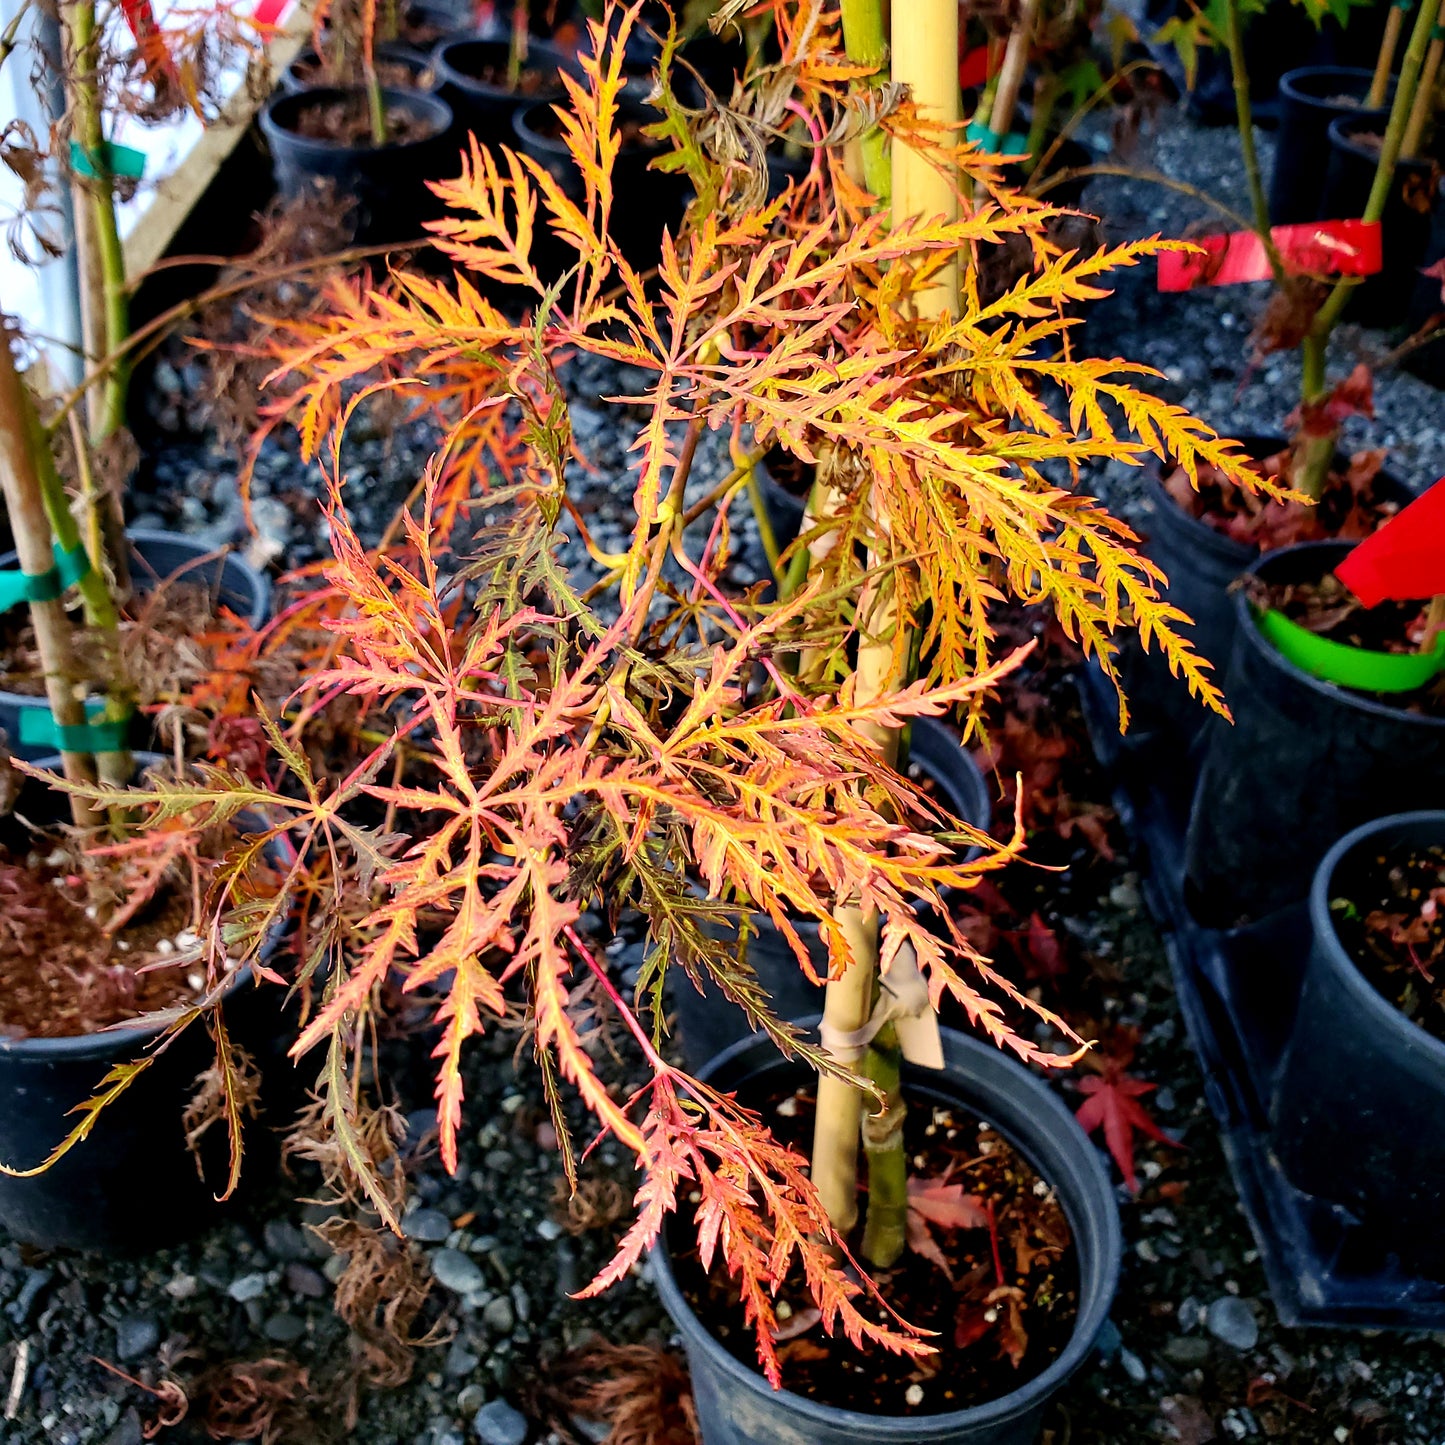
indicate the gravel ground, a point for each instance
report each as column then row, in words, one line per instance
column 1194, row 1353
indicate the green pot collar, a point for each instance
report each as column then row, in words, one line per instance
column 1360, row 668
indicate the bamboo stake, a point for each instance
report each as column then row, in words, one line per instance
column 104, row 299
column 1424, row 104
column 1011, row 76
column 20, row 483
column 925, row 47
column 1379, row 82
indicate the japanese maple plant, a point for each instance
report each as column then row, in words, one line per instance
column 643, row 734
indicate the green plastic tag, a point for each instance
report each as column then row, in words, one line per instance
column 38, row 729
column 1012, row 144
column 113, row 160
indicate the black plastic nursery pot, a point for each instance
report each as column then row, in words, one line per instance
column 133, row 1183
column 708, row 1023
column 465, row 66
column 1303, row 762
column 385, row 187
column 1310, row 99
column 158, row 557
column 644, row 203
column 1383, row 299
column 1361, row 1093
column 735, row 1404
column 1200, row 563
column 304, row 72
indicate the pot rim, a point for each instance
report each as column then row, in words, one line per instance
column 1360, row 988
column 627, row 108
column 1289, row 84
column 105, row 1043
column 1249, row 634
column 424, row 101
column 553, row 56
column 1257, row 446
column 912, row 1429
column 393, row 50
column 1342, row 136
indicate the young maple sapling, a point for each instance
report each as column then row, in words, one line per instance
column 641, row 734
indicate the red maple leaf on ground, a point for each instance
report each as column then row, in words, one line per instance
column 1113, row 1103
column 936, row 1202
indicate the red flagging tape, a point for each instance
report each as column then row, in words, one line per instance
column 1330, row 248
column 1405, row 559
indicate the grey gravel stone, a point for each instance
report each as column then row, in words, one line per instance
column 430, row 1226
column 306, row 1281
column 460, row 1361
column 285, row 1241
column 457, row 1272
column 1231, row 1321
column 499, row 1316
column 136, row 1336
column 1133, row 1366
column 1187, row 1351
column 499, row 1424
column 21, row 1307
column 247, row 1287
column 285, row 1329
column 126, row 1431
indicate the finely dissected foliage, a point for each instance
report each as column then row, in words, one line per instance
column 688, row 752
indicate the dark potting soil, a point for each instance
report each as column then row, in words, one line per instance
column 65, row 974
column 348, row 122
column 1351, row 506
column 1329, row 609
column 529, row 83
column 392, row 74
column 1001, row 1311
column 1389, row 911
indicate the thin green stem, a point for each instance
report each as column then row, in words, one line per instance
column 885, row 1229
column 375, row 105
column 764, row 521
column 1314, row 467
column 1244, row 120
column 865, row 39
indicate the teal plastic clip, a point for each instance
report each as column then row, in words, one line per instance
column 1012, row 144
column 70, row 566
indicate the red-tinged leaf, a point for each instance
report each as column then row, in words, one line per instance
column 971, row 1324
column 1436, row 272
column 1043, row 954
column 949, row 1206
column 1113, row 1105
column 923, row 1244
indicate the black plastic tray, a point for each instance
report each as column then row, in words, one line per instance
column 1237, row 991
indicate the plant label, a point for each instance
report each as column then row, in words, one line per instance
column 1322, row 248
